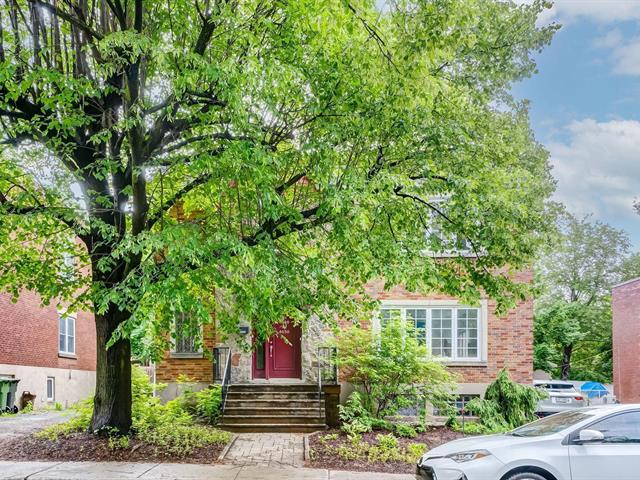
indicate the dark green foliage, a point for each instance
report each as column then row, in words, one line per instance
column 405, row 430
column 390, row 369
column 506, row 404
column 170, row 427
column 572, row 325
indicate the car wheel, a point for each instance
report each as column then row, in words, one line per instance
column 526, row 476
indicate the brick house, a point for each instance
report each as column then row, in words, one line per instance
column 474, row 342
column 625, row 299
column 53, row 354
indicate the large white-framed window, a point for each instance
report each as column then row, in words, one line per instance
column 451, row 331
column 66, row 334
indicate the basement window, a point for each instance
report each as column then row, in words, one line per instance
column 51, row 389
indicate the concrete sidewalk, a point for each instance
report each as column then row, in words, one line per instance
column 173, row 471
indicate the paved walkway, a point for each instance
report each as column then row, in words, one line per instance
column 267, row 450
column 173, row 471
column 27, row 423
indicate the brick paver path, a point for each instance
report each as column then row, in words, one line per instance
column 267, row 449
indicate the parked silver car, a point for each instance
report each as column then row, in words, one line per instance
column 562, row 396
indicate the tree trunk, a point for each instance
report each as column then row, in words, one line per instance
column 112, row 401
column 565, row 369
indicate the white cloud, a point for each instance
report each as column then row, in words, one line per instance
column 598, row 169
column 626, row 58
column 600, row 11
column 611, row 39
column 625, row 53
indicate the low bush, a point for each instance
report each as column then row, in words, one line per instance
column 208, row 403
column 355, row 418
column 506, row 405
column 170, row 427
column 391, row 370
column 386, row 448
column 405, row 430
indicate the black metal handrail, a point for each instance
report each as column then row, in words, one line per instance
column 328, row 369
column 222, row 376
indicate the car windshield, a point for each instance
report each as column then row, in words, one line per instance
column 553, row 424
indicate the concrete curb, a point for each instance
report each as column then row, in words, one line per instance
column 306, row 451
column 176, row 471
column 226, row 449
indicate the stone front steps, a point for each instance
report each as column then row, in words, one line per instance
column 274, row 408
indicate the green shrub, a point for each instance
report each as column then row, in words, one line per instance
column 80, row 420
column 386, row 449
column 117, row 442
column 355, row 418
column 28, row 408
column 387, row 441
column 169, row 426
column 208, row 403
column 405, row 430
column 506, row 405
column 391, row 369
column 381, row 424
column 57, row 406
column 475, row 428
column 416, row 450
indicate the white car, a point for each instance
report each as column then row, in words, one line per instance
column 594, row 443
column 562, row 396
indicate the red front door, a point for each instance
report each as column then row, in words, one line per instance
column 281, row 354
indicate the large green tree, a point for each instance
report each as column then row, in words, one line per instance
column 278, row 153
column 572, row 328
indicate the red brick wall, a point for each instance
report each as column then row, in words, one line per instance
column 197, row 369
column 626, row 341
column 509, row 342
column 29, row 335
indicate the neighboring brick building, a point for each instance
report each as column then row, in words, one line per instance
column 53, row 354
column 626, row 341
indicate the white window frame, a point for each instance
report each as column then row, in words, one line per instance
column 197, row 354
column 68, row 267
column 454, row 305
column 434, row 229
column 51, row 398
column 67, row 319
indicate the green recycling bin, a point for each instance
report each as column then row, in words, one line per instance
column 8, row 388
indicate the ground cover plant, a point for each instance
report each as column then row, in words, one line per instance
column 173, row 431
column 379, row 450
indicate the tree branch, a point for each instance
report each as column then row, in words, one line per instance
column 56, row 213
column 69, row 18
column 157, row 215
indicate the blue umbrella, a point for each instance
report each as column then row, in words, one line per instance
column 594, row 389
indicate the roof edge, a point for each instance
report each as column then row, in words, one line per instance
column 633, row 280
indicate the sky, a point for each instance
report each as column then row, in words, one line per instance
column 585, row 108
